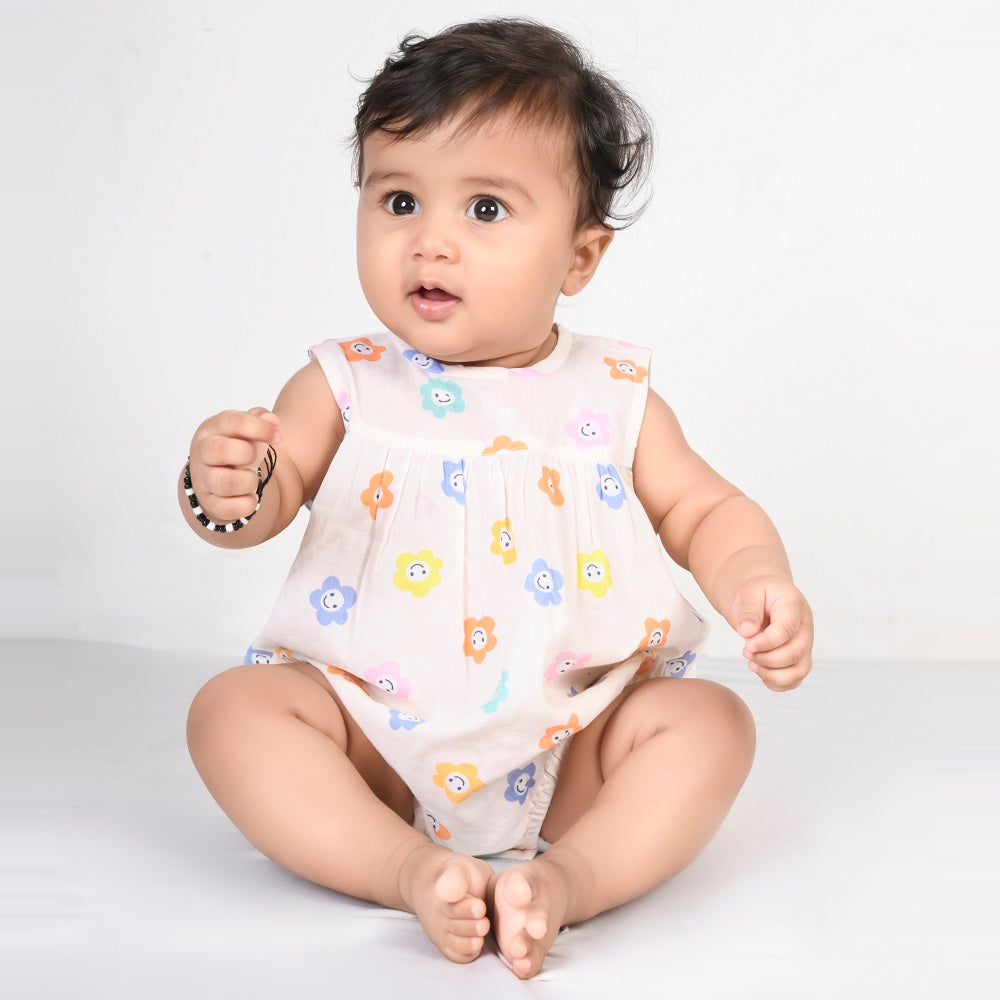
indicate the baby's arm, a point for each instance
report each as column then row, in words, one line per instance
column 730, row 546
column 305, row 428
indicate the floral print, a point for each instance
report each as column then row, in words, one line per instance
column 593, row 572
column 519, row 781
column 454, row 482
column 544, row 583
column 417, row 572
column 390, row 679
column 589, row 429
column 459, row 781
column 564, row 662
column 625, row 369
column 424, row 363
column 503, row 541
column 549, row 485
column 441, row 398
column 504, row 443
column 361, row 349
column 610, row 488
column 502, row 693
column 656, row 633
column 332, row 601
column 555, row 735
column 479, row 638
column 378, row 496
column 403, row 720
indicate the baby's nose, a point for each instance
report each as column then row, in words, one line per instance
column 435, row 239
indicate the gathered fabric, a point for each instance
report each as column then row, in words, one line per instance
column 478, row 580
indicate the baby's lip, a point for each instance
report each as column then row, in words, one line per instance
column 432, row 290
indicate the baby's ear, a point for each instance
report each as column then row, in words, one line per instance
column 588, row 249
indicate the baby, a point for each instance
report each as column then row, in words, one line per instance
column 478, row 651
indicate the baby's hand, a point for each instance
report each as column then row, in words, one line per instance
column 775, row 619
column 226, row 451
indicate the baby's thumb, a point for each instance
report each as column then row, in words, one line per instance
column 269, row 418
column 748, row 611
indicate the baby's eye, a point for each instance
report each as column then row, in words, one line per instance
column 402, row 203
column 487, row 210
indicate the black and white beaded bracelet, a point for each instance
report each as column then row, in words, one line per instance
column 263, row 478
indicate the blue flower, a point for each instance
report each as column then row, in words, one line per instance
column 403, row 720
column 332, row 600
column 454, row 483
column 609, row 486
column 442, row 397
column 518, row 782
column 544, row 583
column 424, row 363
column 258, row 655
column 678, row 667
column 501, row 694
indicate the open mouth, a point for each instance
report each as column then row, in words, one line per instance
column 434, row 294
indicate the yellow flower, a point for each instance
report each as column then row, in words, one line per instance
column 417, row 572
column 593, row 572
column 459, row 781
column 503, row 542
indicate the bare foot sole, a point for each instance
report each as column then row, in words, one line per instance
column 447, row 892
column 529, row 904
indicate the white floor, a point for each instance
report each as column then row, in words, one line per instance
column 862, row 858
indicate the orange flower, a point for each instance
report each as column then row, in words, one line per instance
column 559, row 734
column 361, row 349
column 378, row 496
column 656, row 633
column 622, row 368
column 549, row 485
column 347, row 677
column 503, row 541
column 504, row 443
column 479, row 638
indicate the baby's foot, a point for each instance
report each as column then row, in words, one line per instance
column 530, row 903
column 447, row 892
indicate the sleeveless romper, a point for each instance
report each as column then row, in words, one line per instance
column 478, row 580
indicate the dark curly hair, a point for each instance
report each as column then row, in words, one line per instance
column 506, row 64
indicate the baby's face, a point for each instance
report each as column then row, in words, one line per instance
column 466, row 241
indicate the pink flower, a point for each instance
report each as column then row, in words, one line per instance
column 390, row 679
column 589, row 429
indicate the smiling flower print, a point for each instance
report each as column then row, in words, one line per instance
column 518, row 782
column 378, row 496
column 555, row 735
column 417, row 572
column 589, row 429
column 479, row 638
column 549, row 485
column 593, row 572
column 626, row 369
column 459, row 781
column 390, row 679
column 544, row 583
column 441, row 397
column 503, row 541
column 361, row 349
column 332, row 601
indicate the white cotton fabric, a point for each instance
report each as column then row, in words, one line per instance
column 477, row 579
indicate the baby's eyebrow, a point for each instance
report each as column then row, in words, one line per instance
column 381, row 176
column 500, row 184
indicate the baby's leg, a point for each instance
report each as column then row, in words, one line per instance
column 293, row 771
column 641, row 791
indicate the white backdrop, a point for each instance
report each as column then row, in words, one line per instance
column 817, row 274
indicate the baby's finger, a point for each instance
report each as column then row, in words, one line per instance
column 784, row 656
column 219, row 451
column 231, row 483
column 269, row 417
column 245, row 425
column 783, row 678
column 786, row 620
